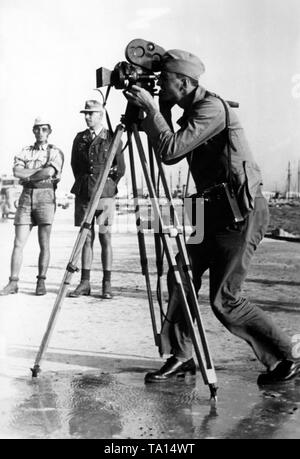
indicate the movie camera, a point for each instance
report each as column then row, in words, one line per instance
column 144, row 59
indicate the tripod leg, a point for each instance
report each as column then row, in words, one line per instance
column 157, row 241
column 51, row 324
column 71, row 267
column 141, row 241
column 187, row 271
column 203, row 355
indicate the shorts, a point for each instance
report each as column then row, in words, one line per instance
column 104, row 214
column 36, row 207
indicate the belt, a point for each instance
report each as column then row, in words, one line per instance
column 33, row 186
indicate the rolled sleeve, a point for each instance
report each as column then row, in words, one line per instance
column 20, row 160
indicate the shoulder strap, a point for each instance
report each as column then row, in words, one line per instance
column 49, row 148
column 229, row 143
column 54, row 180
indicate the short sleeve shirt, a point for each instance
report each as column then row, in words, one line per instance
column 34, row 157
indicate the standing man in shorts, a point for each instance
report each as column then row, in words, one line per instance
column 89, row 153
column 38, row 167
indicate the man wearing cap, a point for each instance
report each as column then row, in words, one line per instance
column 89, row 153
column 39, row 168
column 212, row 140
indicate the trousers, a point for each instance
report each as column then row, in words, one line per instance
column 227, row 254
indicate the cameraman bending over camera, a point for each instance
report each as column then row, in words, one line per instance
column 227, row 247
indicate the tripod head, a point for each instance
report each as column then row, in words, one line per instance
column 133, row 115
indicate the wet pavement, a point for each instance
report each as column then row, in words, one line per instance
column 115, row 404
column 92, row 380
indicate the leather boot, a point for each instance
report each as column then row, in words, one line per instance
column 172, row 368
column 285, row 371
column 106, row 290
column 82, row 289
column 40, row 286
column 11, row 287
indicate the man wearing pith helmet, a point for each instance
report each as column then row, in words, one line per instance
column 210, row 137
column 89, row 155
column 39, row 168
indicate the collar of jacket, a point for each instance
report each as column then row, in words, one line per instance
column 102, row 135
column 199, row 95
column 43, row 147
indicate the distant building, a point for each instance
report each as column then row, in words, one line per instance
column 292, row 195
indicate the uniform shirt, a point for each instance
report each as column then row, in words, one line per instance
column 202, row 140
column 34, row 157
column 89, row 159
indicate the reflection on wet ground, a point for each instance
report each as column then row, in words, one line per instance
column 118, row 404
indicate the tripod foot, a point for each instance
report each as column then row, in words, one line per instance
column 35, row 371
column 213, row 393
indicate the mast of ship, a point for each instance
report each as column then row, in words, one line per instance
column 289, row 180
column 298, row 180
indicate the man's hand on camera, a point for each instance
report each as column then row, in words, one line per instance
column 142, row 98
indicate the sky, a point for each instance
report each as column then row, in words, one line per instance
column 50, row 50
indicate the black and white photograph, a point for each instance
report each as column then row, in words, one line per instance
column 150, row 222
